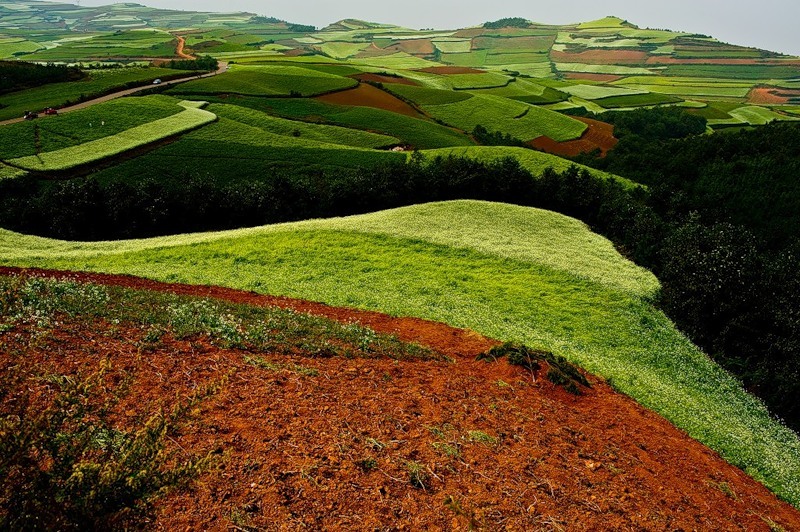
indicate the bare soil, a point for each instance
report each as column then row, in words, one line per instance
column 366, row 95
column 421, row 47
column 496, row 447
column 378, row 78
column 599, row 135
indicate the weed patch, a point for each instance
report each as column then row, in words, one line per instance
column 559, row 370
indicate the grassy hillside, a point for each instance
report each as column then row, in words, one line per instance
column 538, row 277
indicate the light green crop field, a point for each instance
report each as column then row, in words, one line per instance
column 92, row 123
column 757, row 116
column 711, row 91
column 518, row 119
column 477, row 81
column 533, row 161
column 595, row 92
column 453, row 47
column 95, row 150
column 301, row 130
column 511, row 273
column 267, row 80
column 13, row 104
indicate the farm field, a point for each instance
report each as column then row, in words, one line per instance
column 266, row 80
column 384, row 271
column 94, row 150
column 99, row 82
column 382, row 156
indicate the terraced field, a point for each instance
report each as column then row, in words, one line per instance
column 95, row 150
column 267, row 80
column 475, row 265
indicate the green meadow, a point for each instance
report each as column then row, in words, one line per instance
column 511, row 273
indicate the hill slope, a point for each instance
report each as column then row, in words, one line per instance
column 556, row 287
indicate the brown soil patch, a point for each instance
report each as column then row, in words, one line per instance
column 413, row 47
column 604, row 78
column 597, row 135
column 767, row 95
column 295, row 52
column 368, row 96
column 373, row 51
column 378, row 78
column 451, row 70
column 601, row 57
column 292, row 444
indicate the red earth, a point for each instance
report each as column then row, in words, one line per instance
column 496, row 446
column 597, row 135
column 413, row 47
column 378, row 78
column 366, row 95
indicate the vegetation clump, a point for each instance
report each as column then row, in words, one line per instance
column 509, row 22
column 559, row 371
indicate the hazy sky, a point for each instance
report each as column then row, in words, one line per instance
column 769, row 24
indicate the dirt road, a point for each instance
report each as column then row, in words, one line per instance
column 223, row 67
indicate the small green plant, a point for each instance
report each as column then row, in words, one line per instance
column 276, row 366
column 66, row 465
column 478, row 436
column 455, row 505
column 447, row 449
column 417, row 474
column 367, row 464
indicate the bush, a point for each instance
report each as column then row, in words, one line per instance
column 67, row 466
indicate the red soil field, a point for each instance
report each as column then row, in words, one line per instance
column 451, row 70
column 768, row 95
column 373, row 51
column 378, row 78
column 601, row 57
column 290, row 446
column 295, row 52
column 598, row 135
column 368, row 96
column 604, row 78
column 413, row 47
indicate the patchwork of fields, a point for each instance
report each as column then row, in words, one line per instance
column 304, row 109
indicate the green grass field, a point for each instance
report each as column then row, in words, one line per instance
column 418, row 133
column 535, row 162
column 267, row 80
column 92, row 123
column 295, row 129
column 12, row 105
column 95, row 150
column 511, row 273
column 517, row 119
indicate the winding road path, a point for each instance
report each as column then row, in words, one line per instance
column 223, row 67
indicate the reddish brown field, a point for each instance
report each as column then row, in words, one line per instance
column 413, row 47
column 290, row 445
column 597, row 135
column 368, row 96
column 378, row 78
column 373, row 51
column 768, row 95
column 451, row 70
column 601, row 57
column 603, row 78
